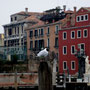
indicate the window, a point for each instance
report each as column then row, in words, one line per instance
column 64, row 65
column 15, row 18
column 39, row 32
column 78, row 18
column 48, row 30
column 10, row 31
column 73, row 35
column 82, row 18
column 82, row 48
column 42, row 32
column 56, row 42
column 31, row 34
column 36, row 45
column 85, row 33
column 64, row 35
column 86, row 17
column 48, row 42
column 5, row 43
column 36, row 33
column 73, row 49
column 72, row 65
column 64, row 50
column 79, row 34
column 11, row 19
column 56, row 29
column 31, row 44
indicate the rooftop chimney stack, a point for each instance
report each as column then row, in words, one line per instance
column 64, row 8
column 75, row 8
column 26, row 10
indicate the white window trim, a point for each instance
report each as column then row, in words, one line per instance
column 77, row 33
column 83, row 18
column 71, row 49
column 87, row 33
column 63, row 65
column 71, row 65
column 63, row 50
column 63, row 36
column 77, row 18
column 71, row 35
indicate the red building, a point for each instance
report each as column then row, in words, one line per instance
column 74, row 35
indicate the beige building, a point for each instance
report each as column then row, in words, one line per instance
column 1, row 39
column 44, row 34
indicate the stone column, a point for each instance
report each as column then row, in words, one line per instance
column 45, row 76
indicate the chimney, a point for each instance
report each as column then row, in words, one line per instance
column 64, row 8
column 26, row 10
column 75, row 9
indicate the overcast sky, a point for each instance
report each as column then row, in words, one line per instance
column 8, row 7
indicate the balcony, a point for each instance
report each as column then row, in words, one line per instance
column 11, row 37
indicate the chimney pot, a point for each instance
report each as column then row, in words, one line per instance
column 64, row 8
column 26, row 10
column 75, row 9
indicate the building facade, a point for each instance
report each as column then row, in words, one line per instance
column 44, row 34
column 15, row 34
column 74, row 38
column 1, row 46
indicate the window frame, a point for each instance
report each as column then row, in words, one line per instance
column 72, row 50
column 64, row 62
column 63, row 50
column 80, row 18
column 87, row 17
column 77, row 33
column 31, row 33
column 48, row 30
column 87, row 33
column 63, row 35
column 56, row 42
column 71, row 35
column 56, row 29
column 72, row 65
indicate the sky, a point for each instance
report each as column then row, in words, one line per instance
column 9, row 7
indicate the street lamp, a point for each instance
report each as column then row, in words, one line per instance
column 81, row 62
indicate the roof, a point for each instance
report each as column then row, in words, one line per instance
column 87, row 8
column 38, row 24
column 32, row 18
column 27, row 13
column 69, row 19
column 69, row 11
